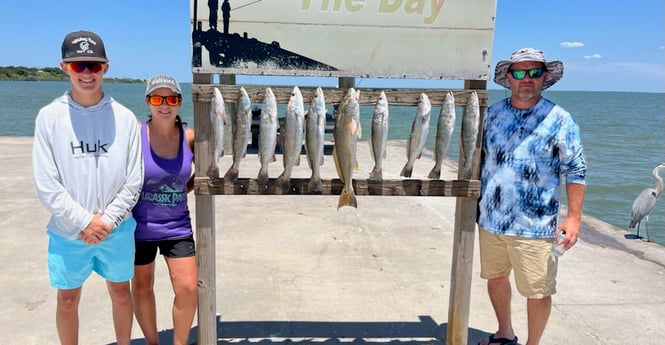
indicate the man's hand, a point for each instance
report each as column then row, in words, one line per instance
column 571, row 225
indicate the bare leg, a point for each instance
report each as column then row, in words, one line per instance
column 121, row 302
column 500, row 294
column 538, row 311
column 184, row 278
column 144, row 301
column 67, row 315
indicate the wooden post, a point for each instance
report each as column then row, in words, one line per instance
column 205, row 220
column 343, row 83
column 346, row 82
column 461, row 272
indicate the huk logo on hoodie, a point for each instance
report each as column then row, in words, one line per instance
column 88, row 148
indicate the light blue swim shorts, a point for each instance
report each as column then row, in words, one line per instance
column 70, row 262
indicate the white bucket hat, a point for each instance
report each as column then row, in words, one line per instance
column 554, row 68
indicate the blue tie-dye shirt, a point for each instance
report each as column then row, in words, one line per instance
column 525, row 153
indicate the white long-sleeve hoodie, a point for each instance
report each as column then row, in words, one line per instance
column 86, row 160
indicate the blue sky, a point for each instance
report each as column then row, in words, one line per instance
column 605, row 45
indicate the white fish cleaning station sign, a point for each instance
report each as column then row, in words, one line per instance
column 413, row 39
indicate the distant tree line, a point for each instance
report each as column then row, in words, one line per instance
column 20, row 73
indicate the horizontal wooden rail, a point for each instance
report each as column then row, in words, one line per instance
column 299, row 186
column 203, row 93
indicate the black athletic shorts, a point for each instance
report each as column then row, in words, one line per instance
column 146, row 251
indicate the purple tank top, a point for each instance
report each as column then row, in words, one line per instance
column 161, row 212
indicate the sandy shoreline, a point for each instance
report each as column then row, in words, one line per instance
column 294, row 267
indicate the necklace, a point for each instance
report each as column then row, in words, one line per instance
column 521, row 116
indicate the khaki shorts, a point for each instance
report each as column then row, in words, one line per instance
column 530, row 258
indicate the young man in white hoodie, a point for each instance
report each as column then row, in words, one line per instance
column 88, row 171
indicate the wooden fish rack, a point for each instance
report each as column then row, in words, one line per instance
column 202, row 94
column 465, row 191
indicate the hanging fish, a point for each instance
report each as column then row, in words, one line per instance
column 218, row 120
column 291, row 137
column 379, row 137
column 346, row 134
column 315, row 127
column 418, row 135
column 444, row 132
column 241, row 133
column 267, row 136
column 470, row 121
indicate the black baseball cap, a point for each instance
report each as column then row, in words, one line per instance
column 83, row 46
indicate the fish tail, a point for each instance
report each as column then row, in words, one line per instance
column 262, row 179
column 231, row 174
column 315, row 185
column 284, row 182
column 213, row 171
column 466, row 173
column 347, row 198
column 435, row 173
column 406, row 171
column 376, row 174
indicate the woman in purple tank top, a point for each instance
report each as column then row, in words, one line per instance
column 162, row 215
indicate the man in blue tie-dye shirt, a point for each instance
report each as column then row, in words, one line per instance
column 529, row 145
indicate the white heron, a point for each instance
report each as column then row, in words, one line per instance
column 645, row 202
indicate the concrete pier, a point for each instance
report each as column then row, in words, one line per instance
column 294, row 269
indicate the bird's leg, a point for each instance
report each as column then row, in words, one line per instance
column 647, row 226
column 638, row 230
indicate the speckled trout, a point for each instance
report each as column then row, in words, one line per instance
column 291, row 137
column 315, row 126
column 470, row 121
column 346, row 134
column 418, row 135
column 444, row 132
column 379, row 137
column 241, row 133
column 267, row 135
column 218, row 120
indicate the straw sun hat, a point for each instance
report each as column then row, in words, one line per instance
column 554, row 68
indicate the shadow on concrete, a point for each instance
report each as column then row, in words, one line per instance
column 631, row 236
column 424, row 332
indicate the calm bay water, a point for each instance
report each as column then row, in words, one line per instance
column 623, row 135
